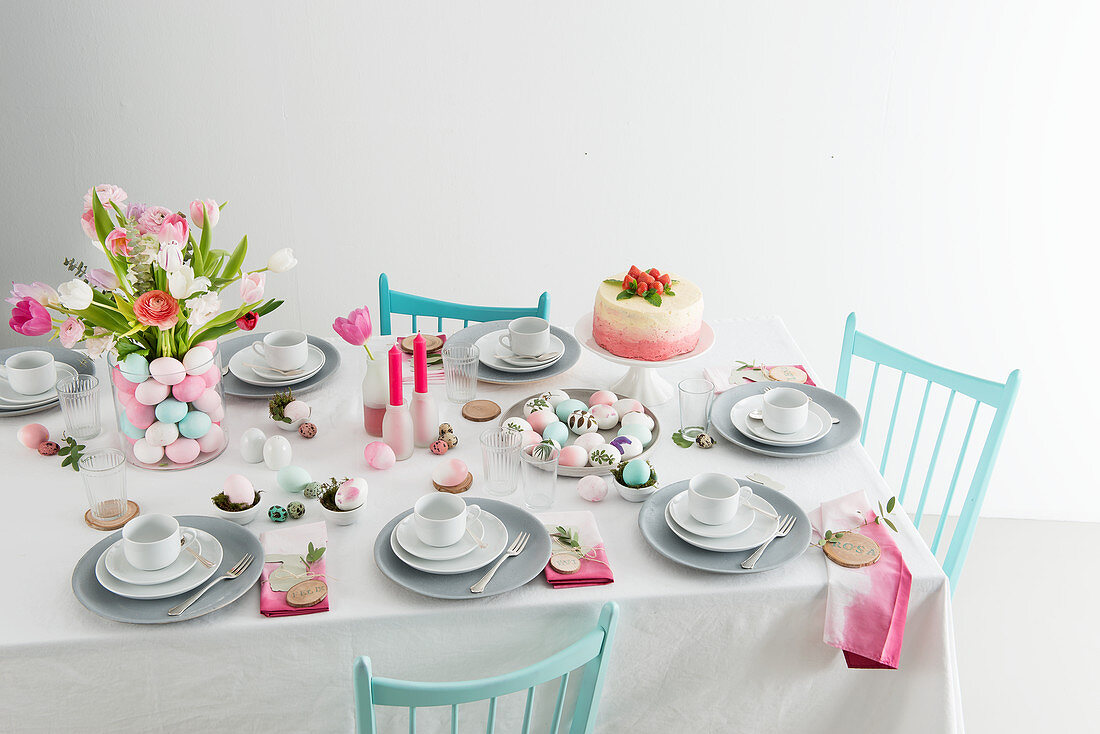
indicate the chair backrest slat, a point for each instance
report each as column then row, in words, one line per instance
column 395, row 302
column 867, row 410
column 561, row 702
column 454, row 718
column 893, row 421
column 935, row 458
column 412, row 719
column 527, row 711
column 955, row 478
column 916, row 440
column 491, row 724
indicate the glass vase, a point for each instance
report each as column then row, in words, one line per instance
column 376, row 393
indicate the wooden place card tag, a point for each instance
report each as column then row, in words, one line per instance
column 307, row 593
column 431, row 343
column 480, row 411
column 852, row 550
column 565, row 563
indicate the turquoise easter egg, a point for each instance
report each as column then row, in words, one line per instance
column 293, row 478
column 170, row 410
column 195, row 424
column 565, row 407
column 278, row 513
column 134, row 368
column 557, row 431
column 129, row 428
column 638, row 431
column 636, row 473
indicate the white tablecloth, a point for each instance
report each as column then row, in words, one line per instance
column 695, row 652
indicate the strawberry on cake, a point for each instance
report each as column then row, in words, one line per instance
column 647, row 315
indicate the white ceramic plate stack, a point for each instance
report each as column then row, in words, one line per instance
column 116, row 574
column 818, row 424
column 67, row 363
column 495, row 355
column 753, row 524
column 249, row 367
column 464, row 556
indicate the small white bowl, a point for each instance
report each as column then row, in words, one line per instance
column 342, row 517
column 634, row 494
column 293, row 425
column 241, row 517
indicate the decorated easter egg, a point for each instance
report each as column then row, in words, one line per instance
column 529, row 438
column 637, row 431
column 445, row 428
column 197, row 360
column 592, row 488
column 313, row 490
column 573, row 456
column 146, row 452
column 167, row 370
column 439, row 447
column 557, row 431
column 207, row 401
column 278, row 513
column 636, row 472
column 293, row 478
column 450, row 438
column 161, row 433
column 638, row 419
column 602, row 397
column 171, row 410
column 554, row 397
column 190, row 388
column 628, row 446
column 450, row 473
column 581, row 421
column 151, row 392
column 32, row 434
column 551, row 442
column 212, row 376
column 121, row 383
column 183, row 450
column 627, row 405
column 195, row 424
column 129, row 429
column 296, row 410
column 379, row 455
column 48, row 448
column 541, row 419
column 351, row 494
column 589, row 441
column 307, row 430
column 516, row 424
column 605, row 416
column 565, row 407
column 296, row 510
column 252, row 445
column 213, row 440
column 277, row 453
column 535, row 405
column 135, row 368
column 604, row 455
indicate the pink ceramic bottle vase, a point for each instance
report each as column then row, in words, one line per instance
column 397, row 423
column 425, row 414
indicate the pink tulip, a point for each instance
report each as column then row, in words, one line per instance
column 104, row 279
column 252, row 287
column 29, row 318
column 200, row 210
column 40, row 292
column 174, row 229
column 118, row 242
column 71, row 332
column 356, row 328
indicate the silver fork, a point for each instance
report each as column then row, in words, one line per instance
column 785, row 526
column 232, row 573
column 514, row 550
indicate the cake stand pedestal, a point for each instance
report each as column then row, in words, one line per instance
column 641, row 381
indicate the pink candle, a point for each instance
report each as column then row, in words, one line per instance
column 420, row 363
column 397, row 395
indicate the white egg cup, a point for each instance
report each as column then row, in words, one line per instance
column 293, row 425
column 342, row 517
column 634, row 494
column 241, row 517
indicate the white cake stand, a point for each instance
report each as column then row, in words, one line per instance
column 641, row 381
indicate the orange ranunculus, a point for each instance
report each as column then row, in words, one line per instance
column 157, row 308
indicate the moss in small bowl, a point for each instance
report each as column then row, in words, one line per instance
column 222, row 503
column 617, row 473
column 328, row 496
column 277, row 405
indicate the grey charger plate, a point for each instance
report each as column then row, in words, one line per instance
column 472, row 333
column 513, row 574
column 651, row 520
column 238, row 389
column 838, row 436
column 82, row 363
column 235, row 540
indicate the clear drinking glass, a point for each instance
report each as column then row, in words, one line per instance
column 695, row 398
column 500, row 461
column 539, row 470
column 104, row 475
column 460, row 370
column 79, row 399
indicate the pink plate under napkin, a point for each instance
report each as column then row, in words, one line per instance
column 293, row 540
column 594, row 570
column 724, row 378
column 866, row 610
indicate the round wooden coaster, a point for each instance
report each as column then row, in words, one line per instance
column 306, row 593
column 565, row 563
column 132, row 510
column 458, row 488
column 852, row 550
column 433, row 343
column 480, row 411
column 788, row 373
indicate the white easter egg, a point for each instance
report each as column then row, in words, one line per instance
column 214, row 439
column 638, row 419
column 296, row 410
column 252, row 445
column 592, row 488
column 589, row 441
column 552, row 442
column 277, row 453
column 605, row 416
column 197, row 360
column 554, row 397
column 639, row 432
column 238, row 489
column 627, row 405
column 604, row 455
column 167, row 370
column 602, row 397
column 161, row 433
column 146, row 452
column 516, row 424
column 534, row 405
column 208, row 401
column 628, row 446
column 581, row 421
column 151, row 392
column 351, row 494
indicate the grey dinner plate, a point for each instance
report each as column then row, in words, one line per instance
column 840, row 435
column 472, row 333
column 235, row 540
column 240, row 389
column 513, row 574
column 82, row 363
column 651, row 519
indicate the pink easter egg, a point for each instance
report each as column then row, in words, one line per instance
column 540, row 419
column 592, row 488
column 182, row 450
column 211, row 344
column 197, row 360
column 351, row 494
column 190, row 388
column 212, row 440
column 151, row 392
column 146, row 452
column 379, row 455
column 212, row 376
column 450, row 473
column 589, row 441
column 121, row 383
column 142, row 416
column 573, row 456
column 167, row 370
column 217, row 414
column 238, row 489
column 127, row 399
column 627, row 405
column 207, row 401
column 529, row 438
column 32, row 434
column 602, row 397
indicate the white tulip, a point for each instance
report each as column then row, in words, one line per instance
column 170, row 257
column 182, row 283
column 203, row 308
column 76, row 295
column 281, row 261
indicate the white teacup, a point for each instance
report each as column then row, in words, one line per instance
column 151, row 542
column 785, row 409
column 440, row 519
column 284, row 350
column 31, row 372
column 713, row 499
column 528, row 336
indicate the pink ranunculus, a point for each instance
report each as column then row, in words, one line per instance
column 173, row 229
column 201, row 210
column 107, row 194
column 356, row 328
column 71, row 332
column 87, row 223
column 152, row 218
column 118, row 242
column 104, row 279
column 252, row 287
column 157, row 308
column 29, row 318
column 40, row 292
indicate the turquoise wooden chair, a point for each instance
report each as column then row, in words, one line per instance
column 1000, row 396
column 590, row 651
column 391, row 302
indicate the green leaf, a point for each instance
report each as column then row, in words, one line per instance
column 127, row 347
column 103, row 223
column 668, row 291
column 892, row 526
column 236, row 259
column 653, row 297
column 891, row 503
column 679, row 439
column 613, row 281
column 828, row 534
column 623, row 295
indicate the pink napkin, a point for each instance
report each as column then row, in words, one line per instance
column 866, row 610
column 724, row 378
column 594, row 570
column 293, row 540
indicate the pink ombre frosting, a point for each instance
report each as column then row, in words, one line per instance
column 636, row 329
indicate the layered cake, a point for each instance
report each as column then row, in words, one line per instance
column 647, row 315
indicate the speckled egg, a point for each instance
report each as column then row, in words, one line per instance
column 704, row 441
column 602, row 397
column 146, row 452
column 628, row 446
column 151, row 392
column 252, row 445
column 450, row 473
column 161, row 433
column 445, row 428
column 516, row 424
column 189, row 390
column 605, row 416
column 351, row 494
column 171, row 410
column 293, row 478
column 197, row 360
column 554, row 397
column 142, row 416
column 535, row 405
column 296, row 410
column 379, row 455
column 134, row 368
column 307, row 430
column 183, row 450
column 604, row 455
column 48, row 448
column 195, row 424
column 167, row 370
column 589, row 441
column 541, row 419
column 637, row 431
column 627, row 405
column 296, row 510
column 557, row 431
column 238, row 489
column 529, row 438
column 565, row 407
column 592, row 488
column 32, row 434
column 573, row 456
column 581, row 421
column 439, row 447
column 450, row 438
column 636, row 473
column 207, row 401
column 129, row 429
column 277, row 453
column 313, row 490
column 213, row 440
column 278, row 513
column 638, row 419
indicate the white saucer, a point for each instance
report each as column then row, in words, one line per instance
column 264, row 378
column 678, row 507
column 817, row 425
column 211, row 550
column 11, row 399
column 489, row 345
column 496, row 538
column 114, row 558
column 762, row 528
column 407, row 537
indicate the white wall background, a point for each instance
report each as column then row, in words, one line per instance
column 930, row 165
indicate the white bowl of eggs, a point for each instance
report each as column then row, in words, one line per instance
column 237, row 491
column 635, row 480
column 348, row 500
